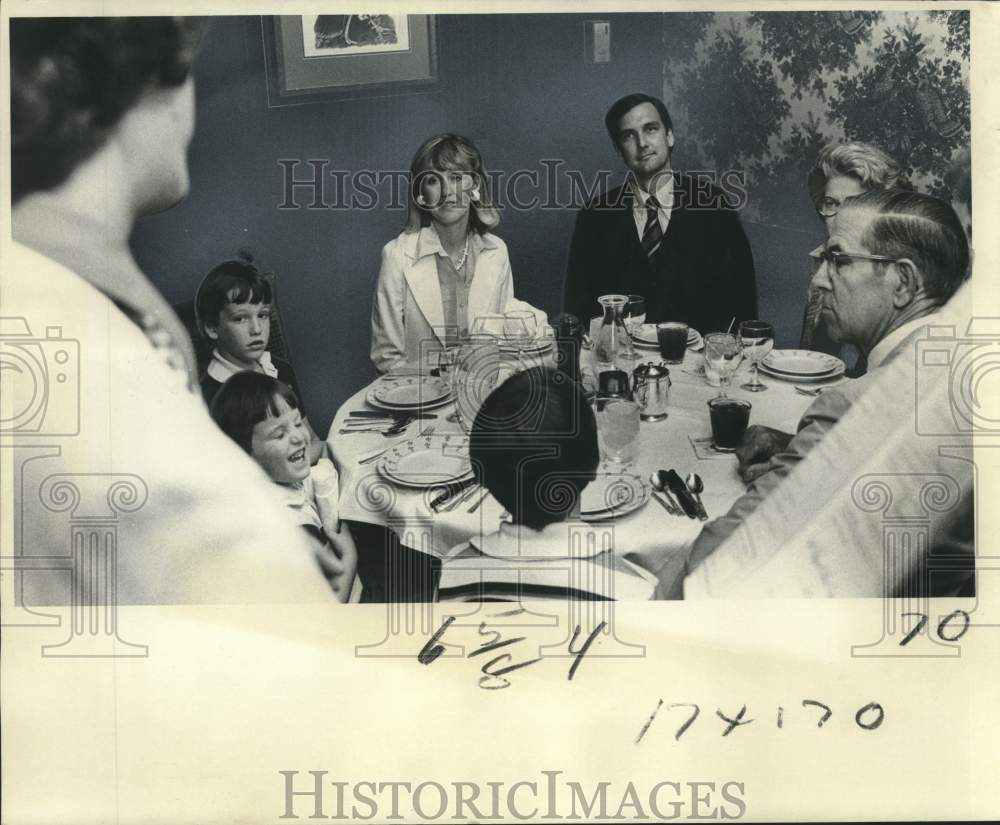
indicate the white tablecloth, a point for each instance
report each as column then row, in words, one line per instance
column 650, row 536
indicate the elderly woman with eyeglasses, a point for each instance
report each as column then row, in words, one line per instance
column 842, row 171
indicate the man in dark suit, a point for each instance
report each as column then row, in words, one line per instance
column 675, row 240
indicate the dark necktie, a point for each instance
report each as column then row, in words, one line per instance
column 651, row 234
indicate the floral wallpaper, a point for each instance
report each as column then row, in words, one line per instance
column 763, row 92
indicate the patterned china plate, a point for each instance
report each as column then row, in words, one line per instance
column 410, row 392
column 801, row 362
column 395, row 408
column 536, row 346
column 804, row 379
column 615, row 492
column 428, row 461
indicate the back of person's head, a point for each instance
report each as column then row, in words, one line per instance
column 246, row 399
column 625, row 104
column 867, row 164
column 74, row 78
column 534, row 446
column 450, row 153
column 919, row 227
column 237, row 281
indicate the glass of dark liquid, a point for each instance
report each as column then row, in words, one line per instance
column 730, row 417
column 612, row 384
column 673, row 339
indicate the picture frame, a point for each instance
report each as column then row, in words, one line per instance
column 313, row 58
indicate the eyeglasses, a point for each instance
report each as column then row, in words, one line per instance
column 839, row 259
column 828, row 207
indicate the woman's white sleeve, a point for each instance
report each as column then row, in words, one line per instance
column 388, row 324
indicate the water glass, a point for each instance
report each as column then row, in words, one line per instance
column 618, row 430
column 730, row 417
column 492, row 325
column 673, row 339
column 722, row 354
column 519, row 327
column 756, row 339
column 589, row 382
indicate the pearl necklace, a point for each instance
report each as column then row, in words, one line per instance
column 465, row 254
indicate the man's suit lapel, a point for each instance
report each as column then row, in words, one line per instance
column 630, row 243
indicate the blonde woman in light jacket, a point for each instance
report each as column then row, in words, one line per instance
column 445, row 268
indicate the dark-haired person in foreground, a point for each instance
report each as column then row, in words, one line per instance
column 670, row 237
column 102, row 111
column 534, row 447
column 892, row 260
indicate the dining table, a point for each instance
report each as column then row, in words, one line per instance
column 650, row 536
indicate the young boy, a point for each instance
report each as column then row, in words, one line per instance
column 233, row 307
column 534, row 447
column 262, row 415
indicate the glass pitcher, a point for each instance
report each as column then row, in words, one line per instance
column 613, row 343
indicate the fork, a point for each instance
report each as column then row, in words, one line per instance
column 460, row 499
column 663, row 503
column 453, row 494
column 376, row 456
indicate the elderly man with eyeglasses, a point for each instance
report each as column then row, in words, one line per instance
column 841, row 171
column 892, row 259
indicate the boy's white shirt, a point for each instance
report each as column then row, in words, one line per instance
column 203, row 525
column 221, row 368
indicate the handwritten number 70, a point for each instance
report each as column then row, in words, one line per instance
column 944, row 633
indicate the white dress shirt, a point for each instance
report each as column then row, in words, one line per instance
column 664, row 196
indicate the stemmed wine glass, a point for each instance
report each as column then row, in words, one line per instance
column 757, row 339
column 722, row 353
column 519, row 328
column 448, row 359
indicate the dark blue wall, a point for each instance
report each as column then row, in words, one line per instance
column 516, row 84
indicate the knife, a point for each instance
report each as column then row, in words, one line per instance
column 680, row 489
column 452, row 490
column 387, row 414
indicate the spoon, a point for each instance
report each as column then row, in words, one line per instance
column 697, row 487
column 657, row 484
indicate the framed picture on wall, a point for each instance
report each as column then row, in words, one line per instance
column 316, row 57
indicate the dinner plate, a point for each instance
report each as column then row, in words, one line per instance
column 536, row 346
column 615, row 492
column 407, row 393
column 836, row 372
column 644, row 336
column 372, row 402
column 799, row 362
column 428, row 461
column 500, row 546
